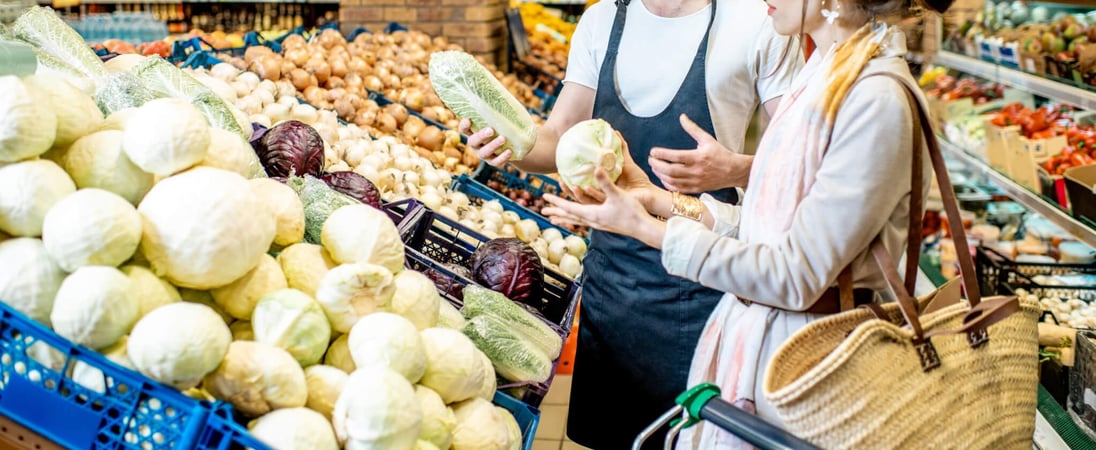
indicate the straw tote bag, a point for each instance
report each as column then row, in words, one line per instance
column 931, row 373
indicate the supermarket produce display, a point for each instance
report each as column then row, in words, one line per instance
column 215, row 250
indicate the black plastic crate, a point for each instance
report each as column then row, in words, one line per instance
column 1000, row 274
column 529, row 393
column 478, row 192
column 445, row 241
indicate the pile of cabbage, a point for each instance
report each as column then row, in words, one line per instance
column 151, row 233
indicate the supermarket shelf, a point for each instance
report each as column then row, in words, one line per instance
column 1022, row 195
column 1031, row 83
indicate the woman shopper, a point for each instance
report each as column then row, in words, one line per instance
column 832, row 172
column 647, row 66
column 677, row 61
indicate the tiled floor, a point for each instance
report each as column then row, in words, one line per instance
column 553, row 418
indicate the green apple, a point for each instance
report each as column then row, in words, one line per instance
column 1080, row 41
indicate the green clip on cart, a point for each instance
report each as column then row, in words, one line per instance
column 702, row 402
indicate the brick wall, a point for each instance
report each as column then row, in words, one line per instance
column 479, row 26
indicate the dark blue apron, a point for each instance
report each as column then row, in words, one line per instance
column 639, row 325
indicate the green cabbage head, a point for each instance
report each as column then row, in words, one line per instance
column 586, row 146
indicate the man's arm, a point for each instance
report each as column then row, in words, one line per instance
column 574, row 104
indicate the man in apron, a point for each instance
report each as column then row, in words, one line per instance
column 677, row 59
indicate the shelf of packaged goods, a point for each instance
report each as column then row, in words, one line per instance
column 1021, row 80
column 1022, row 195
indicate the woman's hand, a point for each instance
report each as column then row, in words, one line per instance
column 483, row 145
column 619, row 212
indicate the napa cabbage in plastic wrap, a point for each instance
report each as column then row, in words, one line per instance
column 44, row 29
column 515, row 356
column 480, row 301
column 472, row 92
column 166, row 80
column 19, row 59
column 120, row 91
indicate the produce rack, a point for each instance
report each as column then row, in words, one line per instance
column 482, row 193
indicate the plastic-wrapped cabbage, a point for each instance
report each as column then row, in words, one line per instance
column 389, row 340
column 217, row 112
column 472, row 92
column 120, row 91
column 480, row 301
column 19, row 57
column 44, row 29
column 585, row 147
column 449, row 316
column 292, row 320
column 166, row 80
column 514, row 356
column 377, row 409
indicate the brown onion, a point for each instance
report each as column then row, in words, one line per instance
column 397, row 111
column 336, row 83
column 430, row 113
column 365, row 117
column 392, row 81
column 414, row 99
column 430, row 138
column 301, row 79
column 373, row 83
column 413, row 126
column 339, row 68
column 344, row 108
column 386, row 123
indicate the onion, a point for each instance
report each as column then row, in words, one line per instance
column 373, row 83
column 364, row 117
column 398, row 112
column 391, row 81
column 300, row 79
column 336, row 83
column 339, row 68
column 344, row 108
column 268, row 67
column 356, row 65
column 414, row 99
column 386, row 123
column 298, row 56
column 413, row 126
column 335, row 94
column 430, row 113
column 431, row 138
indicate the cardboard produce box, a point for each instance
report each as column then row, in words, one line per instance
column 996, row 149
column 1080, row 183
column 1024, row 157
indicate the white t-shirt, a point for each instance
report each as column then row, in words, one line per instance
column 656, row 52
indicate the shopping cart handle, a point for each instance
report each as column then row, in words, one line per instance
column 750, row 428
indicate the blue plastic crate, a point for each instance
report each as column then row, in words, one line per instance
column 222, row 432
column 531, row 394
column 480, row 191
column 126, row 411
